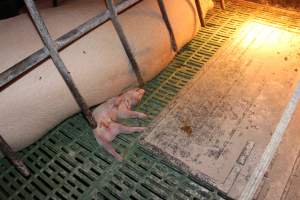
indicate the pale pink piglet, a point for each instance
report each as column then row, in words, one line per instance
column 108, row 113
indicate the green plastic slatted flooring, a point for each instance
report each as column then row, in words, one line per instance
column 67, row 163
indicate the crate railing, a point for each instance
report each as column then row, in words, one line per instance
column 52, row 47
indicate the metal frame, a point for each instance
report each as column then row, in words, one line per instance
column 51, row 49
column 200, row 13
column 50, row 46
column 13, row 158
column 168, row 24
column 54, row 3
column 117, row 25
column 19, row 69
column 222, row 4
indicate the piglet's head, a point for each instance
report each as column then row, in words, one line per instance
column 134, row 96
column 138, row 95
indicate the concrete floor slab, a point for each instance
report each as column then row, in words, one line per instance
column 220, row 124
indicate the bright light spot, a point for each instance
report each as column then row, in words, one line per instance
column 263, row 37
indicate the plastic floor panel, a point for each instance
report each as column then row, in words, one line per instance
column 67, row 163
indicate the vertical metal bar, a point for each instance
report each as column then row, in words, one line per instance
column 223, row 4
column 13, row 158
column 168, row 24
column 52, row 48
column 200, row 13
column 124, row 41
column 68, row 38
column 54, row 3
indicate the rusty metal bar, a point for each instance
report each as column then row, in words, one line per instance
column 52, row 48
column 124, row 41
column 54, row 3
column 13, row 158
column 200, row 13
column 37, row 57
column 222, row 4
column 168, row 24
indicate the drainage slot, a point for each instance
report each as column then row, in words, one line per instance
column 86, row 174
column 45, row 183
column 60, row 196
column 39, row 189
column 81, row 180
column 62, row 166
column 4, row 191
column 95, row 171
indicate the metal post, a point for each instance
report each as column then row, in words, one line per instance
column 52, row 48
column 13, row 158
column 40, row 55
column 168, row 24
column 54, row 3
column 200, row 13
column 223, row 4
column 124, row 41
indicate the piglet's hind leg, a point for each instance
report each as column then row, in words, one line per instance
column 108, row 147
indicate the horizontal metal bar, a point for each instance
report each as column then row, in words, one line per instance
column 13, row 158
column 37, row 57
column 124, row 41
column 51, row 47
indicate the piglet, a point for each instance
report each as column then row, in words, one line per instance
column 130, row 99
column 106, row 116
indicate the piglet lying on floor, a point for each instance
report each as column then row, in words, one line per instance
column 108, row 113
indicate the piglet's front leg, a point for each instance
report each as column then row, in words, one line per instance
column 106, row 133
column 124, row 111
column 129, row 99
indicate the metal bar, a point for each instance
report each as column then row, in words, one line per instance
column 124, row 41
column 200, row 13
column 54, row 3
column 13, row 158
column 37, row 57
column 168, row 24
column 223, row 4
column 52, row 48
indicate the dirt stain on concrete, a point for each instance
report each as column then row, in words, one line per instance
column 187, row 129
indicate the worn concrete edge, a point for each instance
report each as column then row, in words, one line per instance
column 289, row 181
column 258, row 174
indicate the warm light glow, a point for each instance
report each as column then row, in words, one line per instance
column 263, row 37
